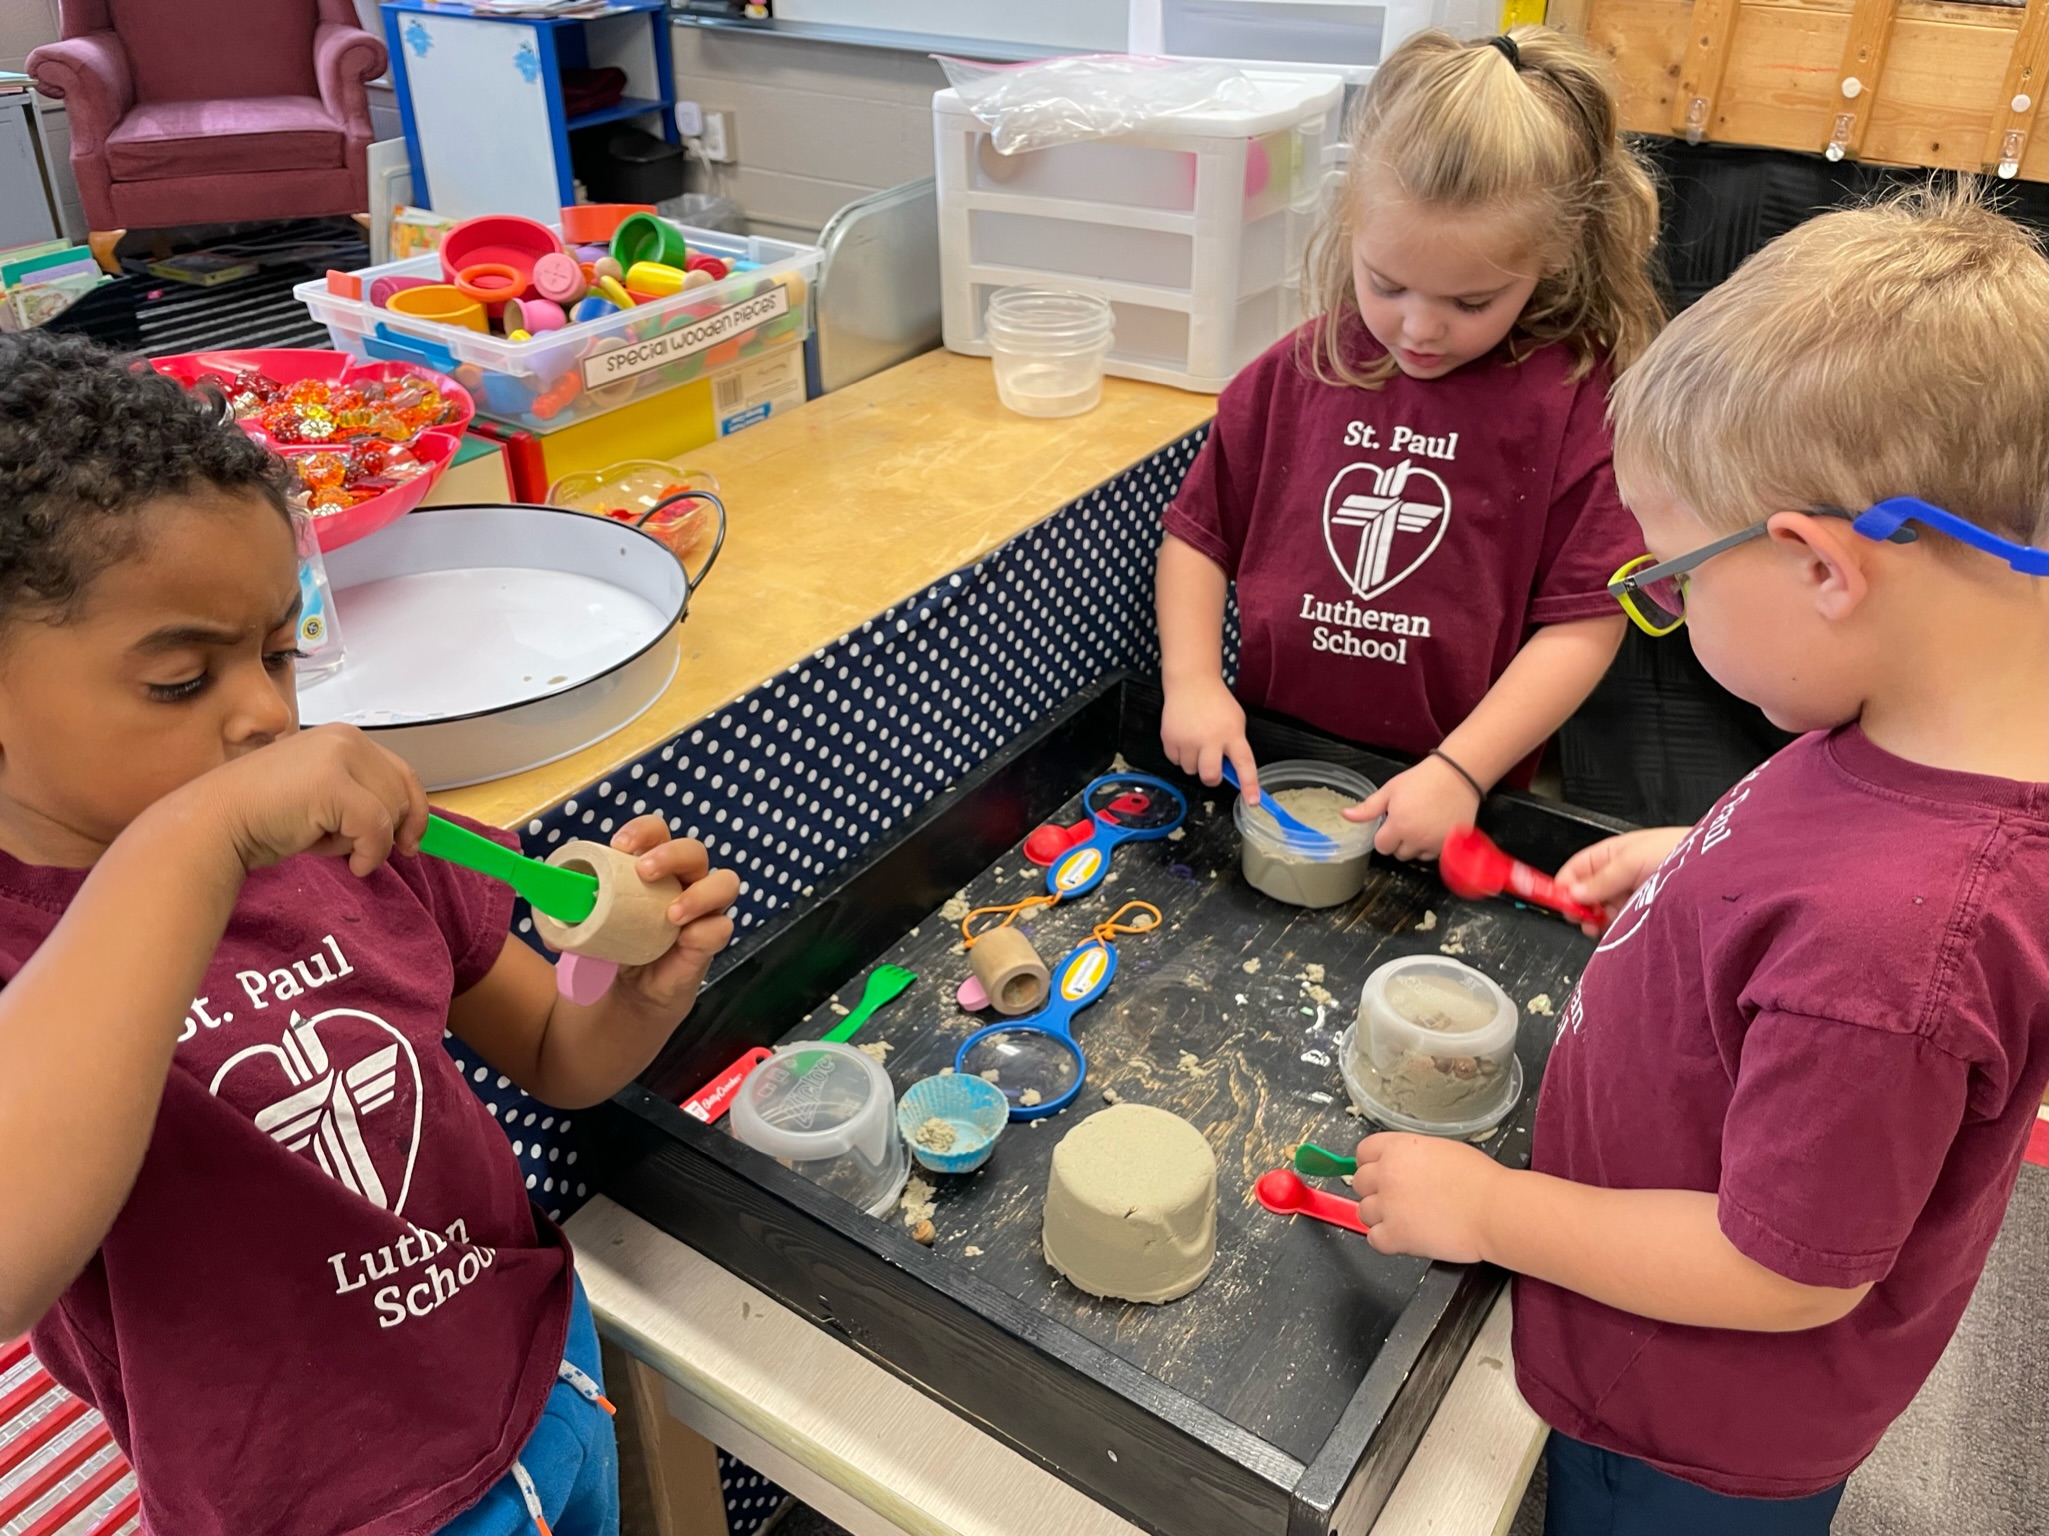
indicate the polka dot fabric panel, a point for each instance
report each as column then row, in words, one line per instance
column 794, row 779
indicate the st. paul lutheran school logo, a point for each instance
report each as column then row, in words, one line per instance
column 342, row 1087
column 1381, row 522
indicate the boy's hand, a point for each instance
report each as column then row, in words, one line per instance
column 670, row 984
column 329, row 790
column 1202, row 725
column 1421, row 805
column 1608, row 874
column 1424, row 1195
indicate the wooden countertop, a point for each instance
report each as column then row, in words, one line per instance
column 845, row 507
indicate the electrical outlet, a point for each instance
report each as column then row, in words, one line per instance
column 689, row 119
column 718, row 137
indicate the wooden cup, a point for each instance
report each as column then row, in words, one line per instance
column 1010, row 971
column 630, row 924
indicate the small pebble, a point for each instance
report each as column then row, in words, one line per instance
column 972, row 1251
column 1112, row 1096
column 924, row 1232
column 1250, row 967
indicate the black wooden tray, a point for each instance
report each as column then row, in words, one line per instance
column 1287, row 1392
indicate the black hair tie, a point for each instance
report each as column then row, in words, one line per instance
column 1509, row 51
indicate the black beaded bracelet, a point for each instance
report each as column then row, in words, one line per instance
column 1452, row 763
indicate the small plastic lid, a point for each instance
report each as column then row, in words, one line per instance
column 817, row 1100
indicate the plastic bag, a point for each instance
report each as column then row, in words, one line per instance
column 701, row 210
column 1089, row 95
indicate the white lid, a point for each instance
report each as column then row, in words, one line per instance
column 1285, row 99
column 817, row 1100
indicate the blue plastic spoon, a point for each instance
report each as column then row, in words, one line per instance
column 1296, row 831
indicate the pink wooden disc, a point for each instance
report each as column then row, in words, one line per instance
column 582, row 979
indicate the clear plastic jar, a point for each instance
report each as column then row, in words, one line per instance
column 1433, row 1048
column 1048, row 347
column 1286, row 871
column 828, row 1112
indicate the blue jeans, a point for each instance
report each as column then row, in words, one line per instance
column 571, row 1456
column 1592, row 1492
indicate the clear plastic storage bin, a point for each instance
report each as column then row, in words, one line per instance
column 1194, row 234
column 560, row 378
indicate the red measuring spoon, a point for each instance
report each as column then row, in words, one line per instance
column 1473, row 867
column 1284, row 1193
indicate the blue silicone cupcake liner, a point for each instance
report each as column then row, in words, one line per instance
column 976, row 1110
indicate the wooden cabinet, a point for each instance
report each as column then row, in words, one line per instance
column 1895, row 82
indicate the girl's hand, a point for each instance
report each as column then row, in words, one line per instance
column 329, row 790
column 669, row 985
column 1421, row 805
column 1425, row 1196
column 1608, row 874
column 1202, row 725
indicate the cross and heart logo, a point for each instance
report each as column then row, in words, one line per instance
column 319, row 1085
column 1381, row 522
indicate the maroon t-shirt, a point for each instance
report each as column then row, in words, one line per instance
column 1393, row 548
column 325, row 1307
column 1829, row 1007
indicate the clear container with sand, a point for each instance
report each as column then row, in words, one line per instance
column 827, row 1112
column 1317, row 794
column 1433, row 1048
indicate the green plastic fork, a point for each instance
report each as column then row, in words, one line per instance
column 1320, row 1164
column 885, row 984
column 566, row 895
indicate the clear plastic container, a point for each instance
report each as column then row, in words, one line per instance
column 560, row 378
column 829, row 1113
column 1433, row 1048
column 1048, row 345
column 1306, row 877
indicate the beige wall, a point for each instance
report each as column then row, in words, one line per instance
column 815, row 125
column 25, row 25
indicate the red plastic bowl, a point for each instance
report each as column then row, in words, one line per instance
column 435, row 447
column 501, row 238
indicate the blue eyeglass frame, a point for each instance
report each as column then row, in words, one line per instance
column 1884, row 521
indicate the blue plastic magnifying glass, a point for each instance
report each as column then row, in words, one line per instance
column 1126, row 808
column 1037, row 1057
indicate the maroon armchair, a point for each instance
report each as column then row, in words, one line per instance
column 213, row 111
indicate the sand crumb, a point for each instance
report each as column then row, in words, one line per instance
column 1312, row 973
column 841, row 1010
column 946, row 1071
column 1250, row 967
column 1118, row 764
column 876, row 1051
column 1541, row 1003
column 990, row 1076
column 1355, row 1112
column 1454, row 942
column 935, row 1135
column 957, row 907
column 1112, row 1096
column 1209, row 807
column 916, row 1200
column 972, row 1251
column 1429, row 922
column 958, row 949
column 1177, row 834
column 1029, row 1097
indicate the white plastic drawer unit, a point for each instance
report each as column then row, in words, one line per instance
column 1194, row 234
column 1348, row 36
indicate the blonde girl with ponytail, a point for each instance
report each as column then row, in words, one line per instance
column 1412, row 494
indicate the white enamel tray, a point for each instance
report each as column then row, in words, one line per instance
column 482, row 641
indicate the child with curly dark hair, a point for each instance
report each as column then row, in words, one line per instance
column 256, row 1217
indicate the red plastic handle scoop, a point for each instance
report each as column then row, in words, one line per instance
column 1284, row 1193
column 1474, row 867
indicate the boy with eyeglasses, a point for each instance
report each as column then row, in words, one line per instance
column 1790, row 1097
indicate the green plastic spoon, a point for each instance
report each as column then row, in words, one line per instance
column 1319, row 1164
column 563, row 894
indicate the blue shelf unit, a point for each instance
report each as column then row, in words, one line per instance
column 480, row 97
